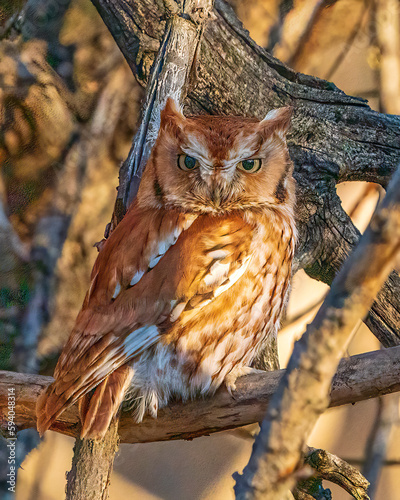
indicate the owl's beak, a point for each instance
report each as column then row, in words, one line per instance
column 218, row 191
column 216, row 195
column 217, row 175
column 216, row 180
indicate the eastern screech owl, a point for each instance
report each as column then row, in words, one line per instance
column 193, row 280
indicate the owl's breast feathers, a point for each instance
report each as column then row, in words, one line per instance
column 161, row 277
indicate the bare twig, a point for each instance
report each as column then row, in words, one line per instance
column 303, row 393
column 348, row 44
column 275, row 34
column 387, row 24
column 302, row 314
column 358, row 378
column 336, row 470
column 367, row 191
column 387, row 416
column 305, row 36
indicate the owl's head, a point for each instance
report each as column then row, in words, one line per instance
column 217, row 164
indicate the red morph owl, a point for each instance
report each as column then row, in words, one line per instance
column 193, row 281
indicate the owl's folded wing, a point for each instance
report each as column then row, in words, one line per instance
column 143, row 280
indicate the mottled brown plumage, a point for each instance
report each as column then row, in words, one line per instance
column 194, row 278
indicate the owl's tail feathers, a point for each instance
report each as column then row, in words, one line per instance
column 50, row 404
column 96, row 408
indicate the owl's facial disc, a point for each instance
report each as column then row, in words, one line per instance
column 213, row 164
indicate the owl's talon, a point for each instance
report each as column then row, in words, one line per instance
column 231, row 388
column 233, row 375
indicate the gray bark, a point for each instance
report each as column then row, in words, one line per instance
column 92, row 466
column 358, row 378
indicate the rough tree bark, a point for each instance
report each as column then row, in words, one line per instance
column 92, row 466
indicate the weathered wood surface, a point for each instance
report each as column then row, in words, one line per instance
column 359, row 377
column 334, row 469
column 92, row 466
column 334, row 137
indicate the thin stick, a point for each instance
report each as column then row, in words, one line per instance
column 387, row 417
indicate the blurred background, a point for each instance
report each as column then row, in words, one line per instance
column 69, row 106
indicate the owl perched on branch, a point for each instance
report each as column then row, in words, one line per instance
column 192, row 281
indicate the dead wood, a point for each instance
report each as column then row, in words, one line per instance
column 358, row 378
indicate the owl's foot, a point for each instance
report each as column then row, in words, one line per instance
column 233, row 375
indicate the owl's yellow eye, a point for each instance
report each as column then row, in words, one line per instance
column 250, row 166
column 186, row 162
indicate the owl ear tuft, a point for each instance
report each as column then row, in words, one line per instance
column 277, row 120
column 171, row 116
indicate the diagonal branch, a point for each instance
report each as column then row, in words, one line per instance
column 275, row 34
column 315, row 16
column 303, row 392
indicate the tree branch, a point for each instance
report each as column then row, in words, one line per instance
column 275, row 34
column 336, row 470
column 304, row 37
column 90, row 475
column 358, row 378
column 377, row 444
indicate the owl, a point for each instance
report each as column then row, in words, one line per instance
column 193, row 281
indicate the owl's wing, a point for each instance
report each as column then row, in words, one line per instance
column 152, row 268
